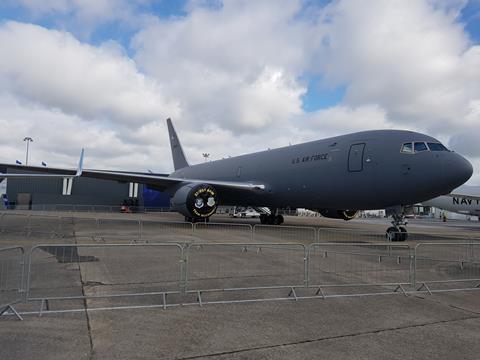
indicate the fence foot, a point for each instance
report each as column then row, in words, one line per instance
column 424, row 285
column 12, row 310
column 320, row 291
column 400, row 287
column 292, row 292
column 44, row 305
column 199, row 297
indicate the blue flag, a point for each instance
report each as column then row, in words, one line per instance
column 18, row 162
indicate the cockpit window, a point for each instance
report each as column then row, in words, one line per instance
column 437, row 147
column 407, row 148
column 420, row 146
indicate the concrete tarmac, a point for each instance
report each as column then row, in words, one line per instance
column 417, row 326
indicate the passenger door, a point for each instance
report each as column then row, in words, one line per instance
column 355, row 157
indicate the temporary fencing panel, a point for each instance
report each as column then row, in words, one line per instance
column 15, row 223
column 447, row 263
column 43, row 226
column 327, row 235
column 217, row 232
column 63, row 271
column 11, row 275
column 85, row 226
column 273, row 233
column 228, row 266
column 339, row 264
column 121, row 229
column 166, row 231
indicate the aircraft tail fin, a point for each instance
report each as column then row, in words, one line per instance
column 179, row 160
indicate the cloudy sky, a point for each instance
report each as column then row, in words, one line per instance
column 235, row 76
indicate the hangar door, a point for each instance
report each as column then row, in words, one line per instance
column 355, row 157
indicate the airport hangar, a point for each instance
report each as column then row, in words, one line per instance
column 39, row 193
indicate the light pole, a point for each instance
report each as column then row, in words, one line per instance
column 28, row 140
column 205, row 156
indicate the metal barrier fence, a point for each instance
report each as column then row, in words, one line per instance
column 43, row 225
column 325, row 235
column 125, row 227
column 303, row 234
column 218, row 231
column 108, row 274
column 89, row 271
column 444, row 263
column 93, row 208
column 49, row 226
column 162, row 231
column 12, row 261
column 359, row 265
column 14, row 223
column 220, row 266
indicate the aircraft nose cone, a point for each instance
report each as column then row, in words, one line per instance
column 457, row 170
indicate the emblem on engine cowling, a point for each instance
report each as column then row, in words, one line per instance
column 202, row 201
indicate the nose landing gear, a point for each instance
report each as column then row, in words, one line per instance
column 397, row 232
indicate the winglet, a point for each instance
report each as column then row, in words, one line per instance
column 80, row 164
column 179, row 160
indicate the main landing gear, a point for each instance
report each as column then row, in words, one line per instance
column 271, row 219
column 397, row 232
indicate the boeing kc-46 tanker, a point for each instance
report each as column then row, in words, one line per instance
column 338, row 176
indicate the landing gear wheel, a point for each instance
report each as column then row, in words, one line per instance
column 396, row 233
column 278, row 220
column 403, row 233
column 391, row 234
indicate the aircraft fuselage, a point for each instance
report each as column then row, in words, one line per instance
column 365, row 170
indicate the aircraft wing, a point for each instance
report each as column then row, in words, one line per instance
column 42, row 172
column 158, row 181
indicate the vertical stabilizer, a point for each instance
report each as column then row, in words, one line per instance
column 179, row 160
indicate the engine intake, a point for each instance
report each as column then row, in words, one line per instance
column 195, row 200
column 339, row 214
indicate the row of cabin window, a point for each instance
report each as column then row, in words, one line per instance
column 419, row 146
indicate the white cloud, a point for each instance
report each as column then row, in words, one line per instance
column 232, row 77
column 55, row 70
column 84, row 16
column 410, row 57
column 236, row 66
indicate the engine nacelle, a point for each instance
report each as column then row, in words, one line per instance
column 195, row 200
column 339, row 214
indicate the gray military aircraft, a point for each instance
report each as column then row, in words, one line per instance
column 336, row 176
column 463, row 200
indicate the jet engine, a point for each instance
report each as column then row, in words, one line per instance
column 339, row 214
column 195, row 201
